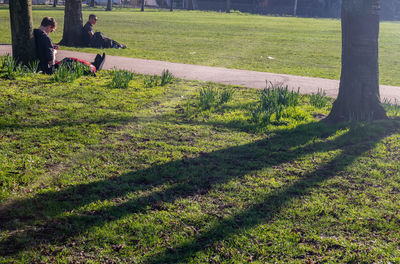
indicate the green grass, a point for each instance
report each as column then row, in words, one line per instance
column 299, row 46
column 95, row 174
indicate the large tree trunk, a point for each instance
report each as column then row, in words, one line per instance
column 72, row 23
column 109, row 5
column 358, row 98
column 23, row 42
column 228, row 6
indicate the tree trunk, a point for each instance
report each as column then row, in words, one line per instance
column 295, row 8
column 55, row 3
column 142, row 9
column 228, row 6
column 92, row 3
column 72, row 23
column 23, row 42
column 358, row 98
column 109, row 5
column 172, row 6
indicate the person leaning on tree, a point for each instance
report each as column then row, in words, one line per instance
column 46, row 51
column 89, row 38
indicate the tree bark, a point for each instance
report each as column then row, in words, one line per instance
column 72, row 23
column 23, row 42
column 359, row 98
column 109, row 5
column 228, row 6
column 142, row 9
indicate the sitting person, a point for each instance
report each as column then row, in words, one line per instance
column 97, row 40
column 46, row 51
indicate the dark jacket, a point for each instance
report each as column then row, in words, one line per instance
column 85, row 36
column 44, row 50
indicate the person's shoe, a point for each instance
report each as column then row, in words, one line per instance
column 123, row 46
column 99, row 61
column 103, row 59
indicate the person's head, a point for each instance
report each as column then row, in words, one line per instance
column 92, row 19
column 48, row 24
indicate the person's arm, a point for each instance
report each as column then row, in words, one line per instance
column 49, row 51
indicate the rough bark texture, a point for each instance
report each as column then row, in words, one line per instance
column 109, row 5
column 23, row 42
column 358, row 98
column 228, row 6
column 72, row 23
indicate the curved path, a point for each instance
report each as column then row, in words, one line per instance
column 251, row 79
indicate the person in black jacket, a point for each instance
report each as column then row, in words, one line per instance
column 89, row 38
column 46, row 51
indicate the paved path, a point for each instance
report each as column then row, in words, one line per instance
column 251, row 79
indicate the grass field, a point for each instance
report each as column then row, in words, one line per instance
column 299, row 46
column 95, row 174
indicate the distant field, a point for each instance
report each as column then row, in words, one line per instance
column 300, row 46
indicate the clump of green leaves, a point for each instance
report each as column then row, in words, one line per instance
column 69, row 72
column 392, row 108
column 121, row 79
column 273, row 100
column 151, row 81
column 210, row 97
column 154, row 80
column 13, row 69
column 166, row 77
column 319, row 99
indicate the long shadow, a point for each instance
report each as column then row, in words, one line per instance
column 186, row 177
column 264, row 211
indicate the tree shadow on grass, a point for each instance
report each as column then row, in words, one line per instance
column 40, row 219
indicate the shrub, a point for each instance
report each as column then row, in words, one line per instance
column 273, row 100
column 121, row 79
column 319, row 100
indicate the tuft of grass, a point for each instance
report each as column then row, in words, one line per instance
column 273, row 100
column 68, row 72
column 210, row 96
column 319, row 99
column 166, row 77
column 121, row 79
column 13, row 69
column 392, row 108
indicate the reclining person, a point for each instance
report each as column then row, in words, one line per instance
column 46, row 51
column 89, row 38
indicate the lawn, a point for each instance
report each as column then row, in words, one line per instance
column 91, row 173
column 299, row 46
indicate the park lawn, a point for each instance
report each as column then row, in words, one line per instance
column 94, row 174
column 298, row 46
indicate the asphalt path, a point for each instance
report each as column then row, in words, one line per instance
column 251, row 79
